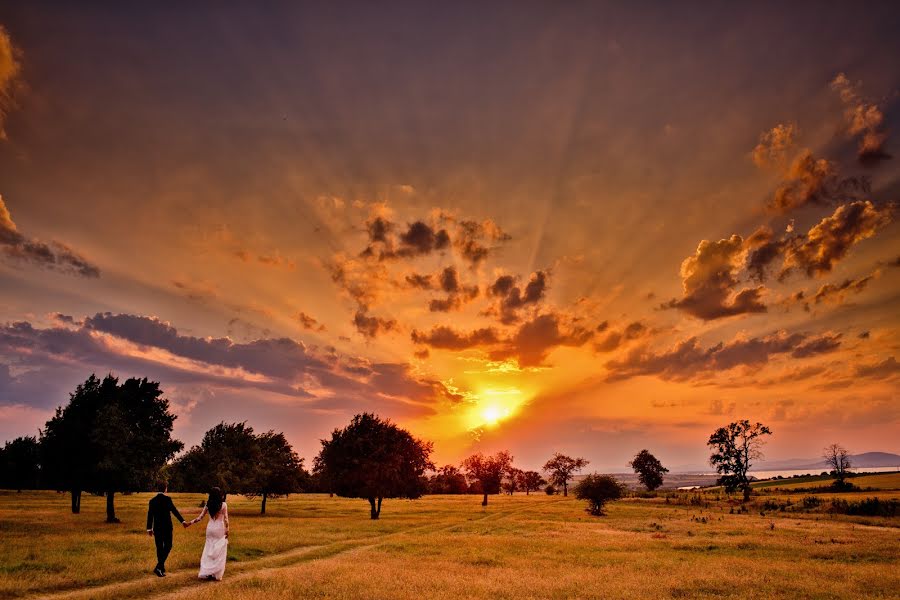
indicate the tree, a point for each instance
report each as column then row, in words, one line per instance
column 562, row 468
column 448, row 480
column 650, row 471
column 109, row 438
column 838, row 459
column 20, row 464
column 510, row 483
column 279, row 470
column 488, row 471
column 734, row 446
column 598, row 490
column 530, row 481
column 373, row 458
column 228, row 458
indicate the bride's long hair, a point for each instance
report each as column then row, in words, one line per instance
column 214, row 502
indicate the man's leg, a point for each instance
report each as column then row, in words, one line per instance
column 167, row 547
column 160, row 538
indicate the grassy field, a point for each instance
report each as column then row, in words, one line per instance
column 312, row 546
column 875, row 481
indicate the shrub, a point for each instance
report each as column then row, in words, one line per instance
column 869, row 507
column 598, row 490
column 550, row 490
column 810, row 502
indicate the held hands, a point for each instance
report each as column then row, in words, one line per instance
column 150, row 532
column 186, row 524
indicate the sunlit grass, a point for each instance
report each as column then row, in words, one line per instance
column 449, row 547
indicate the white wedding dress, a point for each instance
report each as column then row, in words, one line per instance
column 215, row 552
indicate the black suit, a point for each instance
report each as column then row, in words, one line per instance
column 160, row 521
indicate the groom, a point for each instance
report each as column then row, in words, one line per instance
column 159, row 525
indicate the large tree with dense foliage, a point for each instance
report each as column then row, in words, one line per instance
column 734, row 447
column 279, row 470
column 649, row 470
column 20, row 464
column 110, row 438
column 373, row 458
column 597, row 490
column 448, row 480
column 488, row 471
column 561, row 469
column 531, row 481
column 226, row 458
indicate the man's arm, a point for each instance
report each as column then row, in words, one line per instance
column 175, row 511
column 150, row 518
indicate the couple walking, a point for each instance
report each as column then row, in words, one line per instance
column 215, row 552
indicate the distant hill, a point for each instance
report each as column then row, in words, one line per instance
column 863, row 461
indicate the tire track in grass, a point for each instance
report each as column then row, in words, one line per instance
column 184, row 580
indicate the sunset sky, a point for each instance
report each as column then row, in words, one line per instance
column 576, row 227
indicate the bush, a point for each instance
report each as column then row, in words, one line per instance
column 550, row 490
column 598, row 490
column 869, row 507
column 810, row 502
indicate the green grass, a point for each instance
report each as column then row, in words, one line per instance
column 313, row 546
column 877, row 481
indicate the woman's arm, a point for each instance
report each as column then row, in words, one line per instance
column 225, row 516
column 199, row 517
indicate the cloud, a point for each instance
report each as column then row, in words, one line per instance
column 309, row 322
column 457, row 293
column 709, row 279
column 371, row 327
column 10, row 68
column 511, row 297
column 884, row 369
column 50, row 255
column 270, row 260
column 422, row 282
column 536, row 338
column 831, row 292
column 447, row 338
column 863, row 119
column 815, row 182
column 150, row 347
column 830, row 240
column 773, row 146
column 688, row 360
column 614, row 339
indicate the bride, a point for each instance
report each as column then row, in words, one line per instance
column 215, row 552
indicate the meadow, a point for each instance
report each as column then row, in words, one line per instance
column 537, row 546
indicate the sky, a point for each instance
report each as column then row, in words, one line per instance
column 587, row 228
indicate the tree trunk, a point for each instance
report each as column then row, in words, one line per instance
column 527, row 493
column 379, row 506
column 111, row 508
column 374, row 512
column 76, row 502
column 484, row 502
column 746, row 492
column 263, row 509
column 565, row 488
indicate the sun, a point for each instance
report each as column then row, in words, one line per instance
column 493, row 406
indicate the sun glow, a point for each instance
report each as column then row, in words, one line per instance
column 494, row 405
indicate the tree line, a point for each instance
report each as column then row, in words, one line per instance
column 116, row 437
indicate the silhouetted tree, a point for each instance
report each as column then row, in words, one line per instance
column 598, row 490
column 734, row 446
column 649, row 470
column 838, row 459
column 109, row 438
column 373, row 458
column 511, row 480
column 20, row 464
column 562, row 468
column 279, row 471
column 448, row 480
column 550, row 490
column 228, row 458
column 531, row 481
column 488, row 471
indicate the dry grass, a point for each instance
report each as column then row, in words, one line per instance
column 448, row 547
column 879, row 481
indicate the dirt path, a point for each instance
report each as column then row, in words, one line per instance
column 183, row 582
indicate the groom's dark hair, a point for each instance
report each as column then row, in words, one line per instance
column 162, row 485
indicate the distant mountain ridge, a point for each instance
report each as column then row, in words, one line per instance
column 862, row 461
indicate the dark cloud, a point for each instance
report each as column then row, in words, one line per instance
column 309, row 322
column 884, row 369
column 446, row 338
column 476, row 240
column 49, row 255
column 536, row 338
column 836, row 292
column 688, row 359
column 422, row 282
column 420, row 238
column 864, row 120
column 615, row 339
column 709, row 279
column 371, row 327
column 511, row 297
column 457, row 293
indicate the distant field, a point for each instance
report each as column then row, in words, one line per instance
column 313, row 546
column 878, row 481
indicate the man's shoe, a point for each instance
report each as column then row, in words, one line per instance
column 159, row 572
